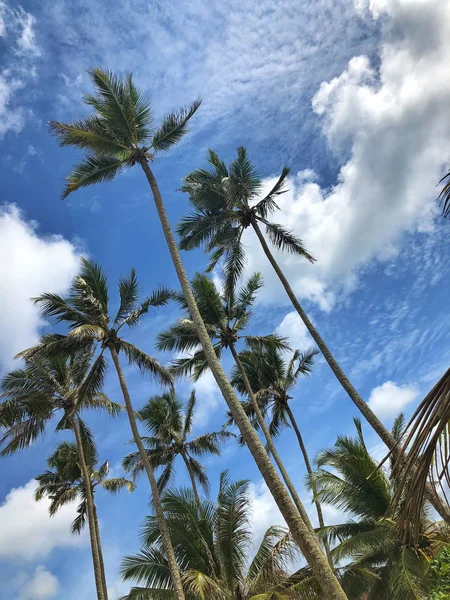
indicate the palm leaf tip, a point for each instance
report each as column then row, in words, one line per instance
column 173, row 127
column 444, row 196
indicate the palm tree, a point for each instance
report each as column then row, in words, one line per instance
column 273, row 379
column 63, row 483
column 378, row 563
column 212, row 543
column 57, row 385
column 86, row 311
column 119, row 135
column 225, row 203
column 226, row 315
column 169, row 424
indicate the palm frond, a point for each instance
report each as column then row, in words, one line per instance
column 173, row 127
column 116, row 484
column 444, row 196
column 182, row 336
column 286, row 241
column 91, row 170
column 268, row 204
column 146, row 363
column 189, row 414
column 129, row 296
column 90, row 133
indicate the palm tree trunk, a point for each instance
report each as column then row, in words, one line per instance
column 100, row 551
column 162, row 525
column 270, row 443
column 300, row 532
column 191, row 475
column 311, row 478
column 363, row 407
column 90, row 512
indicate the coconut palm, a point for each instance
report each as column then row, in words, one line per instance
column 63, row 483
column 378, row 564
column 169, row 424
column 226, row 202
column 212, row 542
column 86, row 311
column 226, row 315
column 273, row 380
column 62, row 386
column 118, row 135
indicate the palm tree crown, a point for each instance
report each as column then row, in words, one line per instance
column 272, row 380
column 47, row 386
column 169, row 424
column 212, row 543
column 225, row 314
column 63, row 482
column 86, row 311
column 120, row 132
column 226, row 201
column 378, row 564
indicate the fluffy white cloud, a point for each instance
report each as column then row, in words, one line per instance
column 32, row 264
column 28, row 532
column 389, row 399
column 264, row 511
column 208, row 397
column 391, row 125
column 42, row 585
column 292, row 327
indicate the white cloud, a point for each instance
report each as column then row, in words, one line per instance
column 11, row 119
column 208, row 398
column 28, row 532
column 292, row 327
column 389, row 399
column 392, row 128
column 264, row 511
column 32, row 264
column 42, row 585
column 26, row 41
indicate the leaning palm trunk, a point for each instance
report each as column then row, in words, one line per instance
column 311, row 479
column 99, row 578
column 100, row 551
column 362, row 406
column 270, row 444
column 162, row 525
column 300, row 531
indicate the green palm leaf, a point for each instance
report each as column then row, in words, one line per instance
column 91, row 170
column 173, row 127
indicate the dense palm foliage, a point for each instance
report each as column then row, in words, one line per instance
column 212, row 542
column 169, row 424
column 378, row 564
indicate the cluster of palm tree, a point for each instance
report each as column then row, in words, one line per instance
column 196, row 548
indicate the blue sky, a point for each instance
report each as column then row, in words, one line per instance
column 352, row 96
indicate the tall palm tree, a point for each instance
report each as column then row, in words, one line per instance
column 212, row 543
column 226, row 315
column 226, row 202
column 86, row 311
column 119, row 135
column 64, row 386
column 63, row 483
column 377, row 563
column 273, row 380
column 169, row 424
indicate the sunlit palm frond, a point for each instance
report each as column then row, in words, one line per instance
column 173, row 127
column 91, row 170
column 90, row 133
column 116, row 484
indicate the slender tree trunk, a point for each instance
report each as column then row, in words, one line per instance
column 191, row 475
column 100, row 551
column 270, row 443
column 363, row 407
column 311, row 478
column 90, row 512
column 160, row 518
column 307, row 542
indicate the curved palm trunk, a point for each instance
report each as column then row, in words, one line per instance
column 300, row 531
column 262, row 423
column 191, row 475
column 362, row 406
column 162, row 525
column 100, row 552
column 311, row 478
column 99, row 579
